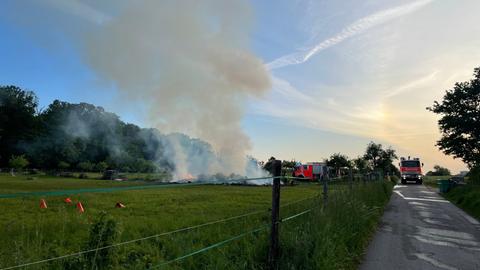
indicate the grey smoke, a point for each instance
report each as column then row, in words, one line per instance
column 188, row 62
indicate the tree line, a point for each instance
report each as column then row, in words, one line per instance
column 84, row 137
column 375, row 158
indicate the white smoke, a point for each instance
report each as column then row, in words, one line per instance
column 188, row 62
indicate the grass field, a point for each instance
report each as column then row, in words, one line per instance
column 29, row 233
column 432, row 180
column 24, row 183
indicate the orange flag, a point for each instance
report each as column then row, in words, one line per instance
column 43, row 203
column 80, row 207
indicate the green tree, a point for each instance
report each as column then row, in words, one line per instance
column 338, row 161
column 386, row 161
column 101, row 166
column 380, row 159
column 63, row 165
column 288, row 166
column 268, row 165
column 85, row 166
column 361, row 165
column 460, row 121
column 82, row 133
column 439, row 171
column 373, row 154
column 18, row 123
column 18, row 162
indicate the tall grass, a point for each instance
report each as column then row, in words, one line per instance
column 329, row 237
column 466, row 197
column 335, row 236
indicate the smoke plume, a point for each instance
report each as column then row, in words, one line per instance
column 188, row 62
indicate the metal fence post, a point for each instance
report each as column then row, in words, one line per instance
column 273, row 251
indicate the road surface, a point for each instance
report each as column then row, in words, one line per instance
column 421, row 230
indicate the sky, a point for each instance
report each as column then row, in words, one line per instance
column 342, row 73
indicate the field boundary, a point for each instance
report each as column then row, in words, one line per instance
column 345, row 182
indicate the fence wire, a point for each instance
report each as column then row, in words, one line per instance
column 185, row 229
column 221, row 243
column 115, row 189
column 338, row 180
column 136, row 240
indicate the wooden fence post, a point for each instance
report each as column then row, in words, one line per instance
column 350, row 172
column 325, row 190
column 274, row 240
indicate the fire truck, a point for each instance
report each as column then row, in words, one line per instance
column 411, row 170
column 311, row 171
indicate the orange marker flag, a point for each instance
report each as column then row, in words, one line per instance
column 119, row 205
column 68, row 200
column 80, row 207
column 43, row 203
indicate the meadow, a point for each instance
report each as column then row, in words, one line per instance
column 331, row 237
column 432, row 181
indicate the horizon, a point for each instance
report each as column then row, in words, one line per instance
column 338, row 78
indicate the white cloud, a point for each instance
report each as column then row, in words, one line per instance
column 80, row 9
column 378, row 85
column 348, row 32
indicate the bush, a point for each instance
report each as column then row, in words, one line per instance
column 63, row 165
column 18, row 162
column 466, row 197
column 101, row 166
column 83, row 176
column 33, row 172
column 394, row 179
column 474, row 176
column 65, row 174
column 86, row 166
column 102, row 233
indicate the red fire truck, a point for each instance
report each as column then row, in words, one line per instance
column 411, row 170
column 311, row 171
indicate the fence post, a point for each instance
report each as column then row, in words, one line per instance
column 350, row 172
column 325, row 190
column 273, row 251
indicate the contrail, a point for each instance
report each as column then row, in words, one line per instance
column 353, row 29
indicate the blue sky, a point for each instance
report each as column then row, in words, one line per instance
column 342, row 73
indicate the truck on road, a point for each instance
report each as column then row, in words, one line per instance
column 411, row 170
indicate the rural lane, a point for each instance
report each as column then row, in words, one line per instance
column 421, row 230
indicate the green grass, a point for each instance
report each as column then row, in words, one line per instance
column 336, row 237
column 30, row 183
column 329, row 238
column 466, row 197
column 431, row 181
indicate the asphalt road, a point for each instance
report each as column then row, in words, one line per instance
column 421, row 230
